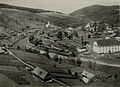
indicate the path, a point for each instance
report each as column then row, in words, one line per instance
column 98, row 62
column 11, row 53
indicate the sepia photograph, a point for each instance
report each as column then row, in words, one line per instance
column 59, row 43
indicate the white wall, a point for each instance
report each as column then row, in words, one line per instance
column 106, row 49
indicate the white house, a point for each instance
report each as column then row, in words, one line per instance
column 70, row 28
column 106, row 46
column 91, row 26
column 42, row 51
column 48, row 24
column 81, row 50
column 87, row 26
column 1, row 51
column 52, row 55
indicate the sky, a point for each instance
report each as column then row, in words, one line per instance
column 65, row 6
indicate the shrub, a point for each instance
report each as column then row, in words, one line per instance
column 79, row 62
column 72, row 61
column 56, row 58
column 91, row 65
column 54, row 65
column 60, row 60
column 69, row 72
column 31, row 38
column 18, row 47
column 116, row 77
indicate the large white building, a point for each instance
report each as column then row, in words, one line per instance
column 106, row 46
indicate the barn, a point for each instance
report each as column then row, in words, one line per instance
column 42, row 74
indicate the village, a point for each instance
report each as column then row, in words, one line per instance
column 78, row 53
column 71, row 43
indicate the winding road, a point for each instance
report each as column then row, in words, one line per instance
column 98, row 62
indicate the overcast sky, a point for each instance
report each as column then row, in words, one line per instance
column 65, row 6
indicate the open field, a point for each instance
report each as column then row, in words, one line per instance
column 107, row 58
column 9, row 60
column 16, row 77
column 31, row 57
column 108, row 69
column 13, row 74
column 10, row 67
column 110, row 58
column 41, row 61
column 6, row 82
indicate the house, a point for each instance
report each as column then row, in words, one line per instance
column 110, row 45
column 62, row 57
column 42, row 74
column 87, row 77
column 92, row 26
column 42, row 51
column 47, row 25
column 52, row 55
column 118, row 38
column 70, row 28
column 81, row 50
column 87, row 26
column 1, row 51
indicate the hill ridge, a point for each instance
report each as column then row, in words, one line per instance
column 98, row 13
column 33, row 10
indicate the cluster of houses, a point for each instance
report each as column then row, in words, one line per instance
column 105, row 37
column 108, row 44
column 97, row 26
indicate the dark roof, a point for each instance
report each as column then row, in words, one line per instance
column 108, row 42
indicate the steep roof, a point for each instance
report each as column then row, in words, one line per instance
column 108, row 42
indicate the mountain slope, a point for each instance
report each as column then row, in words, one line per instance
column 14, row 17
column 98, row 13
column 62, row 19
